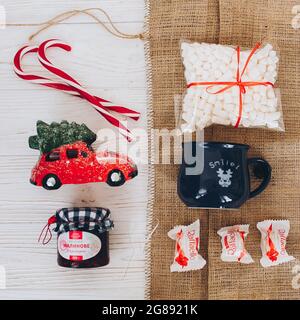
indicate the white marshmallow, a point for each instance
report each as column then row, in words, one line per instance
column 271, row 68
column 261, row 68
column 246, row 77
column 229, row 108
column 256, row 97
column 233, row 119
column 258, row 122
column 270, row 117
column 247, row 97
column 247, row 107
column 187, row 116
column 273, row 125
column 252, row 115
column 263, row 93
column 272, row 54
column 228, row 98
column 245, row 122
column 206, row 66
column 270, row 93
column 220, row 97
column 264, row 108
column 264, row 99
column 212, row 98
column 217, row 109
column 218, row 120
column 256, row 106
column 260, row 116
column 254, row 73
column 208, row 108
column 185, row 127
column 217, row 74
column 262, row 53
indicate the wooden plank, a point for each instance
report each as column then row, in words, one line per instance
column 127, row 293
column 97, row 57
column 30, row 11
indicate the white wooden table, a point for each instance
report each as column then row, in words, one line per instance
column 109, row 67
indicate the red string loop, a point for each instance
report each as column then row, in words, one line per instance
column 47, row 227
column 229, row 84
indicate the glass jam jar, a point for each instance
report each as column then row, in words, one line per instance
column 82, row 237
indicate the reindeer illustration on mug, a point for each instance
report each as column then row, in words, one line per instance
column 225, row 178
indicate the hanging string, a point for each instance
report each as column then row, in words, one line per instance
column 47, row 227
column 68, row 14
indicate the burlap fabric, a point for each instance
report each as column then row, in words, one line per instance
column 229, row 22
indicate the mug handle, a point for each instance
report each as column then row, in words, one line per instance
column 265, row 175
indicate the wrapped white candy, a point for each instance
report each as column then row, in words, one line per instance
column 273, row 242
column 233, row 244
column 187, row 255
column 205, row 64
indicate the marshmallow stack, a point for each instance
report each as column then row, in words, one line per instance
column 211, row 62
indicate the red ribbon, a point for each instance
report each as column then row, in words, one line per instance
column 241, row 84
column 181, row 259
column 272, row 253
column 48, row 231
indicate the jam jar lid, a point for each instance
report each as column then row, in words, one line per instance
column 83, row 218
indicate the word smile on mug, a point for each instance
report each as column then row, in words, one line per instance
column 223, row 163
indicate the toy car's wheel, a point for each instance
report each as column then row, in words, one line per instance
column 115, row 178
column 51, row 182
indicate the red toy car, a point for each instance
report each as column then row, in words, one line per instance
column 77, row 163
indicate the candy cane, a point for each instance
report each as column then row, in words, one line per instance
column 71, row 86
column 71, row 81
column 33, row 78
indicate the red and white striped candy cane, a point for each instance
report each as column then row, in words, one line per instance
column 33, row 78
column 71, row 86
column 71, row 81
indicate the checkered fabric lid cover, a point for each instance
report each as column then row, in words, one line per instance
column 84, row 218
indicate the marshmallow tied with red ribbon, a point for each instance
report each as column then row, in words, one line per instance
column 114, row 114
column 228, row 86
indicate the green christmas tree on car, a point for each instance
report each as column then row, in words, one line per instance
column 67, row 157
column 54, row 135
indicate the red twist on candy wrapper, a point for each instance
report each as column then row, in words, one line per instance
column 233, row 244
column 273, row 242
column 187, row 255
column 69, row 85
column 229, row 84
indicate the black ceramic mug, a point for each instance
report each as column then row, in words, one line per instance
column 224, row 180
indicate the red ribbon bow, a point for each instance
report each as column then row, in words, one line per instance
column 241, row 84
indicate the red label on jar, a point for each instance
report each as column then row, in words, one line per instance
column 76, row 258
column 76, row 235
column 78, row 245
